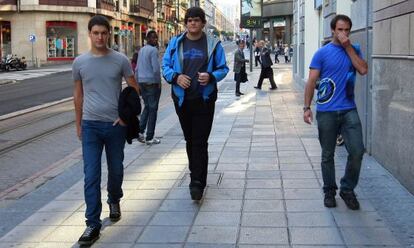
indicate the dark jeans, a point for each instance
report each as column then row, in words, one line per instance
column 266, row 73
column 151, row 95
column 346, row 122
column 256, row 60
column 196, row 119
column 95, row 136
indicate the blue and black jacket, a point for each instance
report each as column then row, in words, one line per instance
column 173, row 61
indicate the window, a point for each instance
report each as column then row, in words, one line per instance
column 61, row 40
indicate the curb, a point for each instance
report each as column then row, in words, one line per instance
column 32, row 109
column 3, row 82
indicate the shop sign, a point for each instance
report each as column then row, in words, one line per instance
column 251, row 13
column 32, row 38
column 279, row 24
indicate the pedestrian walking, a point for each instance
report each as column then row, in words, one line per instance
column 290, row 53
column 336, row 64
column 240, row 75
column 98, row 77
column 134, row 61
column 194, row 63
column 266, row 71
column 286, row 53
column 257, row 55
column 277, row 55
column 148, row 74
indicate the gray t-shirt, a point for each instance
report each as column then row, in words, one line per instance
column 101, row 78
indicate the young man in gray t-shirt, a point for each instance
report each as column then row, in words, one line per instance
column 98, row 80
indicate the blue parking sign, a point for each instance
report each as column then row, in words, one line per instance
column 32, row 38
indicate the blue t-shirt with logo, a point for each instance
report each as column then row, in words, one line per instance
column 337, row 78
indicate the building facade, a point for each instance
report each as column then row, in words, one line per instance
column 277, row 22
column 60, row 27
column 385, row 31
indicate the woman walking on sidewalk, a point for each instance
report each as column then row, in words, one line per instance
column 240, row 75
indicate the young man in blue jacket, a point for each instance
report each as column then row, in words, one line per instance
column 193, row 64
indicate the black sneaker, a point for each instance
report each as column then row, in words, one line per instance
column 329, row 200
column 114, row 211
column 89, row 236
column 350, row 199
column 256, row 87
column 196, row 190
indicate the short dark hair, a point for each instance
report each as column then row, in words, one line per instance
column 100, row 21
column 342, row 18
column 195, row 12
column 150, row 33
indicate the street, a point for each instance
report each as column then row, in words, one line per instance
column 263, row 189
column 34, row 91
column 37, row 134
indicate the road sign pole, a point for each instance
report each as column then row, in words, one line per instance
column 33, row 56
column 251, row 50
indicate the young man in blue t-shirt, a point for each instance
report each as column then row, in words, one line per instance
column 335, row 65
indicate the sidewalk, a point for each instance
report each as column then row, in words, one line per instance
column 264, row 187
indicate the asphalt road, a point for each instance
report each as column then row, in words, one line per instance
column 35, row 91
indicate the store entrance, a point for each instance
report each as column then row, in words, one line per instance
column 5, row 38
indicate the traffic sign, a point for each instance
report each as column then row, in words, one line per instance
column 32, row 38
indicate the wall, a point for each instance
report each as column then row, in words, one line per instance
column 311, row 35
column 393, row 87
column 21, row 31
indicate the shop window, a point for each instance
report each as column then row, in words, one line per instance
column 5, row 38
column 61, row 40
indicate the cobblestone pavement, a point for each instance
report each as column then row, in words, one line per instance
column 263, row 188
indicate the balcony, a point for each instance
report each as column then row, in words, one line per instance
column 143, row 8
column 79, row 3
column 105, row 5
column 8, row 2
column 147, row 5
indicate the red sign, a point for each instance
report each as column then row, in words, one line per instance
column 71, row 25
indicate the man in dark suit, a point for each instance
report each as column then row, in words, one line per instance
column 267, row 71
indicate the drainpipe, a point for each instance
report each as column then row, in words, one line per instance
column 368, row 122
column 18, row 6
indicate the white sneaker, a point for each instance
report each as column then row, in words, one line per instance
column 154, row 141
column 141, row 137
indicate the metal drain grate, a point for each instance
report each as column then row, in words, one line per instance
column 213, row 179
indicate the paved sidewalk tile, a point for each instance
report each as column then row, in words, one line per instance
column 263, row 188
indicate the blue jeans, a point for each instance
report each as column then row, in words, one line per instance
column 151, row 95
column 347, row 123
column 95, row 136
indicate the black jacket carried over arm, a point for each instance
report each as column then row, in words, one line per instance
column 129, row 107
